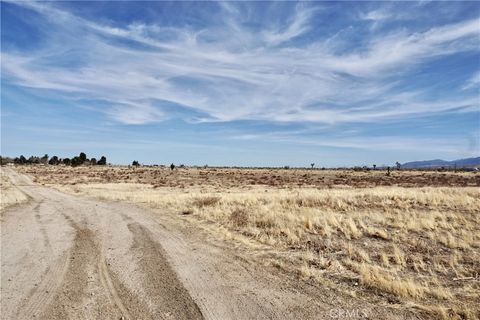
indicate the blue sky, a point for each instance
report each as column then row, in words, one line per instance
column 241, row 83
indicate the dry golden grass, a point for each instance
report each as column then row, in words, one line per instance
column 417, row 247
column 9, row 194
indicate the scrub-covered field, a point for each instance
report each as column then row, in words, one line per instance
column 410, row 240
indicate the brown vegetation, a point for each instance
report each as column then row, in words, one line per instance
column 233, row 178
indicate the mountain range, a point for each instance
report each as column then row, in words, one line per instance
column 437, row 163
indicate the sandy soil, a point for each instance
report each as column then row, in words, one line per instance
column 66, row 257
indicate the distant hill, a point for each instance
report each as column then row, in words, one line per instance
column 437, row 163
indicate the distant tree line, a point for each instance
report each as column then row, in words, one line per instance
column 79, row 160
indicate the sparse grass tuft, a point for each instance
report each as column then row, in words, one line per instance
column 376, row 278
column 207, row 201
column 239, row 217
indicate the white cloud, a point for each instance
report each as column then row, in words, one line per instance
column 136, row 113
column 300, row 24
column 385, row 143
column 376, row 15
column 473, row 82
column 408, row 49
column 233, row 73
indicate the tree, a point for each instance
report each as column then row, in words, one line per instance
column 82, row 157
column 33, row 160
column 66, row 161
column 398, row 164
column 53, row 161
column 23, row 160
column 312, row 165
column 5, row 160
column 135, row 163
column 172, row 166
column 374, row 166
column 44, row 159
column 102, row 161
column 93, row 161
column 76, row 161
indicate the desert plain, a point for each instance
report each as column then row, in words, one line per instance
column 122, row 242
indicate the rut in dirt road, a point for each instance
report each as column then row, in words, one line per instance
column 83, row 292
column 171, row 300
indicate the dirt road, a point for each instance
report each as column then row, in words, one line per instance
column 66, row 257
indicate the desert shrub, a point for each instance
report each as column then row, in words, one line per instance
column 239, row 217
column 209, row 201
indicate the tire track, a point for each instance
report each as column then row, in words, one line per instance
column 43, row 294
column 46, row 240
column 166, row 292
column 89, row 290
column 108, row 285
column 70, row 295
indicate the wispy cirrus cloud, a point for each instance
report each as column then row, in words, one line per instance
column 298, row 25
column 232, row 71
column 387, row 143
column 473, row 82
